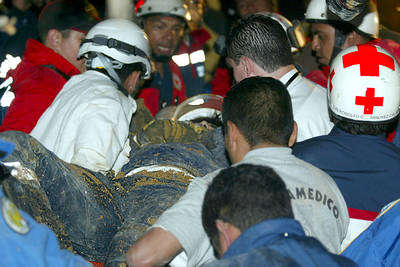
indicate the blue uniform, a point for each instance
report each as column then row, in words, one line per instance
column 278, row 242
column 379, row 245
column 366, row 168
column 24, row 242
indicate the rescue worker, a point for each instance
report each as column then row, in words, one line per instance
column 23, row 240
column 332, row 34
column 88, row 122
column 251, row 101
column 47, row 65
column 178, row 74
column 364, row 99
column 269, row 236
column 266, row 52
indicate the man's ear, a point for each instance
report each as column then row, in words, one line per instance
column 352, row 39
column 224, row 238
column 53, row 40
column 293, row 136
column 231, row 132
column 248, row 66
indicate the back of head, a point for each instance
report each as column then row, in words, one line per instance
column 117, row 44
column 364, row 90
column 262, row 39
column 294, row 31
column 64, row 15
column 244, row 196
column 261, row 108
column 366, row 24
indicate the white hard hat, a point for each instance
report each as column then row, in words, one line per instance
column 119, row 39
column 162, row 7
column 317, row 11
column 294, row 33
column 364, row 84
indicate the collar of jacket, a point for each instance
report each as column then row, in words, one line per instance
column 263, row 234
column 39, row 54
column 338, row 132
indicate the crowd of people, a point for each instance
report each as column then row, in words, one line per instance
column 309, row 127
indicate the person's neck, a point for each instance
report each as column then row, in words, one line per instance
column 258, row 146
column 279, row 73
column 265, row 145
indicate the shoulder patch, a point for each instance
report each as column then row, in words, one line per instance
column 13, row 217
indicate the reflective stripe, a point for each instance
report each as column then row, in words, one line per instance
column 185, row 59
column 181, row 60
column 197, row 57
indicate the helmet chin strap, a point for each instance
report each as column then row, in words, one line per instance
column 340, row 39
column 109, row 68
column 107, row 65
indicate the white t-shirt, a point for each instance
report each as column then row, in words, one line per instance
column 310, row 106
column 316, row 200
column 88, row 123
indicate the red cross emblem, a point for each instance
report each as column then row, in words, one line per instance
column 369, row 101
column 369, row 60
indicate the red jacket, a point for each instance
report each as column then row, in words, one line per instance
column 35, row 86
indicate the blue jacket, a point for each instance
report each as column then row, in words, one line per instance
column 278, row 242
column 379, row 245
column 366, row 168
column 24, row 242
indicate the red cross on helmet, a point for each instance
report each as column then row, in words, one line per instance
column 364, row 84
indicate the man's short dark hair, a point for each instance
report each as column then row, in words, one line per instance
column 244, row 196
column 362, row 128
column 262, row 39
column 261, row 108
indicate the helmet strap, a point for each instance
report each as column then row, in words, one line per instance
column 111, row 73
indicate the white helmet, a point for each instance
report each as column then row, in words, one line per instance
column 295, row 32
column 364, row 84
column 119, row 39
column 161, row 7
column 317, row 11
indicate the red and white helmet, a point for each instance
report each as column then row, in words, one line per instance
column 364, row 84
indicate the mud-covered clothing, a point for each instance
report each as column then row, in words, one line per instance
column 88, row 123
column 35, row 86
column 310, row 106
column 24, row 242
column 317, row 204
column 366, row 169
column 278, row 242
